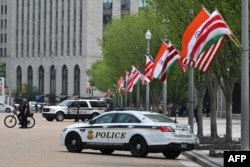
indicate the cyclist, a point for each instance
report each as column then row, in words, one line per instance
column 24, row 111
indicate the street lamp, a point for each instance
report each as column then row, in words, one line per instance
column 92, row 84
column 148, row 37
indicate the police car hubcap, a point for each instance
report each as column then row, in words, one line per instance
column 138, row 147
column 73, row 142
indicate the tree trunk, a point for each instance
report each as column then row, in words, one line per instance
column 200, row 93
column 213, row 96
column 228, row 120
column 212, row 85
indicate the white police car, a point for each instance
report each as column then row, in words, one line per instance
column 67, row 109
column 139, row 132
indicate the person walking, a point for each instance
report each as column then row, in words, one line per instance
column 24, row 110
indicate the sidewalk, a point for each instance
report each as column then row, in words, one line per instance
column 202, row 157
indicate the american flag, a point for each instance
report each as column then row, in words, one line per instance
column 133, row 78
column 148, row 69
column 205, row 60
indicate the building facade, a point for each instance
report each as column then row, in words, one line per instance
column 50, row 44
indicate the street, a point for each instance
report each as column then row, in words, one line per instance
column 40, row 147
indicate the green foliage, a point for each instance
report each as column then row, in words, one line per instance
column 30, row 94
column 124, row 43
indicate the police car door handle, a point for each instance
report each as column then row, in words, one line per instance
column 130, row 126
column 105, row 126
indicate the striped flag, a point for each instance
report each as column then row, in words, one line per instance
column 171, row 57
column 205, row 60
column 182, row 65
column 148, row 69
column 133, row 78
column 212, row 30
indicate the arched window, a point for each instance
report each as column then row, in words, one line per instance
column 77, row 80
column 52, row 80
column 41, row 79
column 18, row 76
column 30, row 75
column 64, row 80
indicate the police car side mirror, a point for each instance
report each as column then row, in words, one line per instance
column 91, row 121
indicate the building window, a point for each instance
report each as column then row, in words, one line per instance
column 41, row 79
column 64, row 80
column 4, row 70
column 77, row 80
column 19, row 76
column 52, row 80
column 142, row 4
column 107, row 12
column 30, row 76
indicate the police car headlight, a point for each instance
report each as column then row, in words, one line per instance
column 65, row 129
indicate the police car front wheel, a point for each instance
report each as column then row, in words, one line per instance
column 138, row 147
column 73, row 142
column 59, row 116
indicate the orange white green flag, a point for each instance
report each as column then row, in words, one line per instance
column 191, row 33
column 159, row 60
column 212, row 30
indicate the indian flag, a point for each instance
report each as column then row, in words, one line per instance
column 191, row 33
column 159, row 60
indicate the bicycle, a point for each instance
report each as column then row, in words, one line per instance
column 10, row 121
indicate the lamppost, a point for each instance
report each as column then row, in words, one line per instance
column 92, row 84
column 148, row 37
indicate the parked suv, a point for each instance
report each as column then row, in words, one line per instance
column 89, row 108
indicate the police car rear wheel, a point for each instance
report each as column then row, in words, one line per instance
column 60, row 116
column 73, row 142
column 171, row 154
column 107, row 151
column 138, row 147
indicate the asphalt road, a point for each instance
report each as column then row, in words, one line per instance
column 40, row 147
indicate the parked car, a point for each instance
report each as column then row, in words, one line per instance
column 6, row 108
column 33, row 106
column 67, row 109
column 139, row 132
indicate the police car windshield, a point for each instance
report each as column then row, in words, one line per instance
column 159, row 118
column 65, row 103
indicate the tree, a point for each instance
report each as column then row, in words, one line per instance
column 25, row 91
column 124, row 45
column 230, row 10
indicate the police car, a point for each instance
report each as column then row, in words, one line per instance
column 139, row 132
column 72, row 109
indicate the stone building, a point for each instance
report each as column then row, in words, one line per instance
column 50, row 44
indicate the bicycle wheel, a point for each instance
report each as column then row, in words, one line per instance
column 10, row 121
column 30, row 122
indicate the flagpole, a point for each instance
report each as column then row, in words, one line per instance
column 190, row 90
column 164, row 86
column 148, row 37
column 245, row 77
column 138, row 96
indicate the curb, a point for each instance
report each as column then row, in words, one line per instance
column 202, row 159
